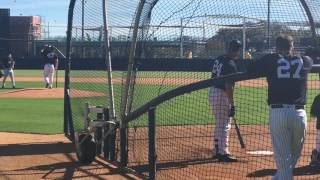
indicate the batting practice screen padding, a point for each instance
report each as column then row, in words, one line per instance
column 171, row 44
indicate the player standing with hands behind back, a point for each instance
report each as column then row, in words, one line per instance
column 287, row 86
column 221, row 101
column 50, row 64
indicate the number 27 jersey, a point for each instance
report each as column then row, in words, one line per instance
column 287, row 77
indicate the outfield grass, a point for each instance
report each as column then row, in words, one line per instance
column 46, row 115
column 43, row 116
column 118, row 74
column 33, row 73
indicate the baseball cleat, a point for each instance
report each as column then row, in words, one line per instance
column 226, row 158
column 315, row 158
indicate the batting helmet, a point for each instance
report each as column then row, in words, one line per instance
column 234, row 45
column 46, row 50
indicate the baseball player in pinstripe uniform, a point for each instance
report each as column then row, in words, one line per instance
column 50, row 65
column 221, row 101
column 287, row 86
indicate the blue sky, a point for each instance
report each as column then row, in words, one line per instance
column 54, row 12
column 51, row 10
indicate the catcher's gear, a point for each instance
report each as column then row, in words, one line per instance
column 234, row 45
column 232, row 111
column 315, row 107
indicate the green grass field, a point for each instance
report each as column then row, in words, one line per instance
column 46, row 115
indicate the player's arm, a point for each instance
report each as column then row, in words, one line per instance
column 13, row 63
column 56, row 61
column 307, row 63
column 258, row 67
column 229, row 88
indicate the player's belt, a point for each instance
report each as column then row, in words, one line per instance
column 296, row 106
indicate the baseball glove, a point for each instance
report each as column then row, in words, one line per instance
column 315, row 107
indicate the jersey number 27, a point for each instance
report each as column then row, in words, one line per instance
column 285, row 68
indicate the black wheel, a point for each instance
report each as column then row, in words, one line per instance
column 86, row 152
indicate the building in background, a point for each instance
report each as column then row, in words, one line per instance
column 17, row 33
column 24, row 30
column 4, row 30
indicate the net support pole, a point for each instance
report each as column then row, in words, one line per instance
column 181, row 38
column 128, row 89
column 244, row 39
column 311, row 22
column 152, row 142
column 108, row 61
column 68, row 121
column 268, row 25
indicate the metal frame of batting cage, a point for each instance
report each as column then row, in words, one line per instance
column 109, row 117
column 150, row 107
column 68, row 122
column 130, row 116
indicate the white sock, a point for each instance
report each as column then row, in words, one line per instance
column 318, row 140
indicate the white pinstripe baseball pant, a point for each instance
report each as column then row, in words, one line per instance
column 288, row 130
column 220, row 107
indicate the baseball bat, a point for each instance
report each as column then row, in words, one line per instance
column 58, row 63
column 238, row 133
column 57, row 77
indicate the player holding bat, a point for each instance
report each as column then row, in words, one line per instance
column 221, row 101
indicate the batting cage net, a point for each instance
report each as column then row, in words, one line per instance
column 168, row 48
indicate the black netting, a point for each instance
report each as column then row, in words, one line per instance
column 176, row 42
column 196, row 30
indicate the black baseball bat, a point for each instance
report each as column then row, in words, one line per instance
column 239, row 134
column 57, row 77
column 58, row 64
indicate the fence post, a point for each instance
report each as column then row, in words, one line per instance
column 106, row 141
column 152, row 143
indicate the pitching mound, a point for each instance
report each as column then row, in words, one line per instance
column 45, row 93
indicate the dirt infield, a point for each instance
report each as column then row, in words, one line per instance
column 45, row 93
column 169, row 81
column 185, row 152
column 31, row 156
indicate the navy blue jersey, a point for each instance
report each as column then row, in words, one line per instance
column 50, row 58
column 286, row 75
column 222, row 66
